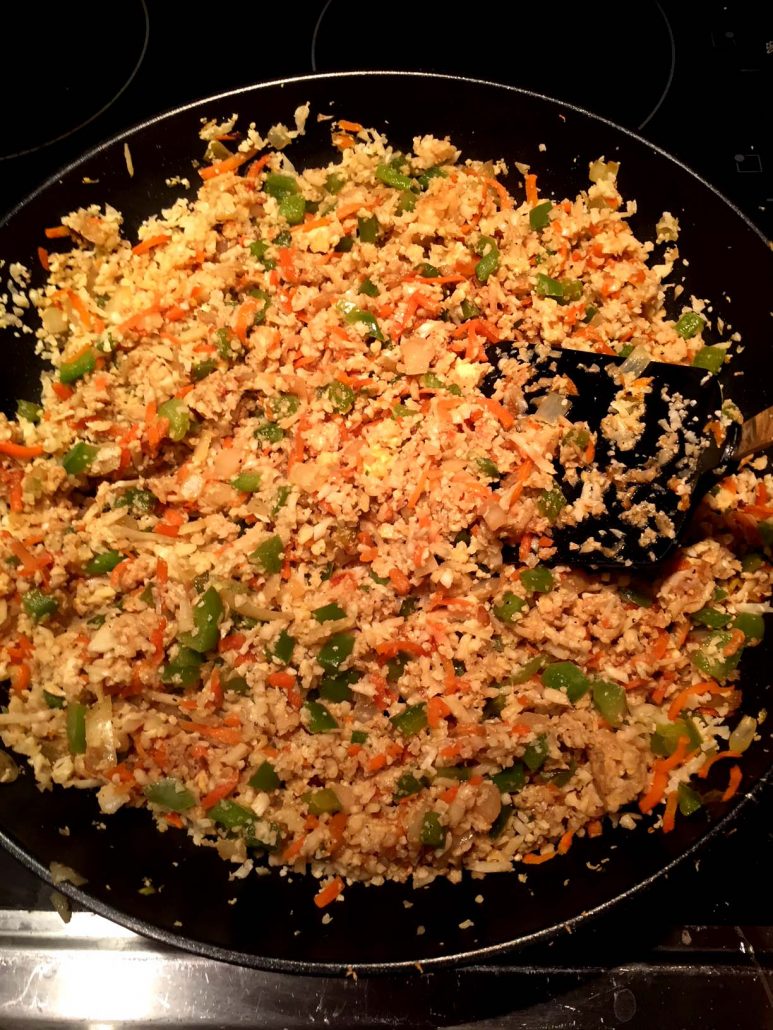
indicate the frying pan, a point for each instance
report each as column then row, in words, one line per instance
column 273, row 923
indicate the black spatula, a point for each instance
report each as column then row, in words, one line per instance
column 637, row 493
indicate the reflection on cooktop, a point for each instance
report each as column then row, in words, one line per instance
column 78, row 60
column 614, row 60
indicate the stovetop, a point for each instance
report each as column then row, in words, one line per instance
column 696, row 951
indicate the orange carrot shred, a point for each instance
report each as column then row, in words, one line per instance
column 735, row 782
column 329, row 892
column 704, row 769
column 534, row 859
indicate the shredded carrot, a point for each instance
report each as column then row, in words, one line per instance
column 329, row 892
column 21, row 649
column 15, row 491
column 521, row 478
column 62, row 391
column 299, row 444
column 286, row 262
column 336, row 827
column 19, row 451
column 566, row 842
column 505, row 200
column 174, row 819
column 735, row 782
column 530, row 182
column 594, row 828
column 389, row 650
column 152, row 241
column 229, row 164
column 534, row 859
column 170, row 524
column 737, row 640
column 43, row 259
column 437, row 710
column 704, row 769
column 221, row 734
column 499, row 411
column 659, row 648
column 524, row 547
column 58, row 232
column 312, row 223
column 244, row 317
column 399, row 581
column 479, row 325
column 418, row 490
column 218, row 793
column 29, row 563
column 669, row 816
column 21, row 677
column 377, row 762
column 660, row 770
column 449, row 794
column 681, row 699
column 348, row 126
column 280, row 679
column 257, row 166
column 343, row 141
column 162, row 572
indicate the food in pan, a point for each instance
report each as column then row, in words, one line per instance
column 275, row 567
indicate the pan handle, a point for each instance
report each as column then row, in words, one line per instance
column 756, row 434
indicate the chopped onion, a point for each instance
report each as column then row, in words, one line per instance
column 552, row 407
column 9, row 770
column 100, row 734
column 65, row 874
column 62, row 906
column 601, row 170
column 634, row 364
column 743, row 734
column 236, row 597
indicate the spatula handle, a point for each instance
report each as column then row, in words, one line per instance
column 756, row 434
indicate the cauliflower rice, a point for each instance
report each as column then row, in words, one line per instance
column 252, row 567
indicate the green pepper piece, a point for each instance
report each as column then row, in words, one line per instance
column 406, row 785
column 550, row 504
column 178, row 416
column 335, row 686
column 435, row 172
column 336, row 650
column 344, row 245
column 538, row 579
column 270, row 432
column 79, row 458
column 494, row 706
column 321, row 802
column 28, row 410
column 453, row 772
column 76, row 728
column 488, row 252
column 279, row 186
column 403, row 411
column 258, row 249
column 202, row 369
column 284, row 647
column 72, row 371
column 329, row 613
column 765, row 529
column 510, row 780
column 411, row 720
column 320, row 719
column 752, row 562
column 327, row 572
column 711, row 660
column 559, row 289
column 750, row 624
column 334, row 183
column 383, row 581
column 103, row 563
column 432, row 834
column 39, row 605
column 407, row 202
column 488, row 468
column 510, row 606
column 710, row 358
column 353, row 315
column 269, row 555
column 428, row 271
column 293, row 208
column 369, row 288
column 590, row 313
column 170, row 794
column 53, row 700
column 392, row 177
column 568, row 677
column 184, row 670
column 396, row 666
column 633, row 596
column 665, row 737
column 284, row 405
column 609, row 698
column 689, row 800
column 282, row 494
column 469, row 310
column 711, row 617
column 539, row 216
column 536, row 753
column 237, row 685
column 500, row 823
column 265, row 778
column 140, row 502
column 530, row 669
column 231, row 815
column 689, row 325
column 341, row 396
column 207, row 613
column 368, row 229
column 247, row 482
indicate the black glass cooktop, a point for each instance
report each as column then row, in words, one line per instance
column 692, row 77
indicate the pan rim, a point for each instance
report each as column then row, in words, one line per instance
column 468, row 956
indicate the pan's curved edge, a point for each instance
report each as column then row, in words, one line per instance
column 461, row 957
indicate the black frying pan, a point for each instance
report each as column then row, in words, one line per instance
column 274, row 923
